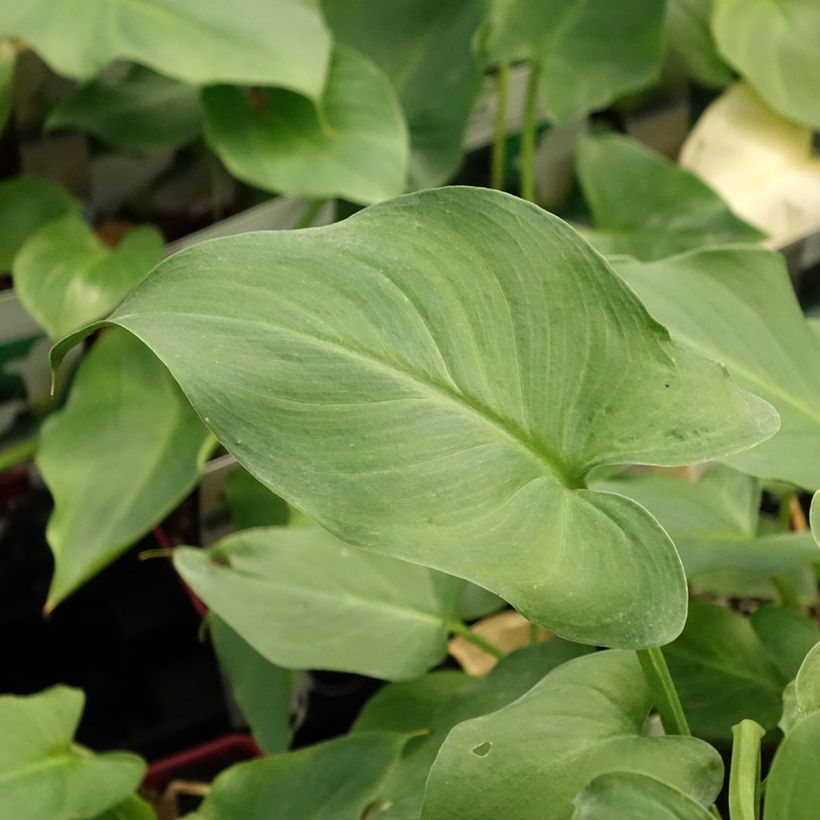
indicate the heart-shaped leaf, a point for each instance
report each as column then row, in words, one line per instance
column 590, row 52
column 305, row 600
column 737, row 306
column 337, row 780
column 275, row 139
column 723, row 672
column 646, row 206
column 530, row 759
column 284, row 44
column 122, row 453
column 44, row 774
column 66, row 278
column 433, row 378
column 425, row 48
column 139, row 110
column 432, row 705
column 762, row 164
column 637, row 797
column 774, row 45
column 26, row 204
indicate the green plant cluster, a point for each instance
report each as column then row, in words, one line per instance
column 450, row 403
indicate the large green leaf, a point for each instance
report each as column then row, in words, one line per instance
column 691, row 43
column 122, row 453
column 305, row 600
column 590, row 52
column 251, row 41
column 774, row 45
column 435, row 703
column 433, row 378
column 737, row 306
column 714, row 522
column 636, row 797
column 139, row 110
column 792, row 786
column 425, row 48
column 528, row 760
column 723, row 672
column 26, row 204
column 43, row 774
column 337, row 780
column 263, row 690
column 645, row 206
column 66, row 278
column 274, row 139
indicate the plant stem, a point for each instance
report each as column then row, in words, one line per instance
column 18, row 453
column 464, row 631
column 784, row 510
column 663, row 689
column 528, row 134
column 502, row 81
column 744, row 775
column 310, row 213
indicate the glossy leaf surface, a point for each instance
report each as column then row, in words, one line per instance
column 337, row 780
column 737, row 306
column 643, row 205
column 43, row 774
column 252, row 41
column 66, row 278
column 305, row 600
column 122, row 453
column 391, row 376
column 530, row 759
column 140, row 110
column 425, row 48
column 275, row 140
column 637, row 797
column 774, row 45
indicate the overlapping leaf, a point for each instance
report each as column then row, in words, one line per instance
column 252, row 41
column 774, row 45
column 530, row 759
column 123, row 452
column 277, row 140
column 44, row 774
column 737, row 306
column 692, row 44
column 643, row 205
column 433, row 378
column 66, row 278
column 425, row 48
column 305, row 600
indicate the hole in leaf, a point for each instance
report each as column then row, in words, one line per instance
column 483, row 749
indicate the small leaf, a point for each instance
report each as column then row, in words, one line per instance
column 133, row 808
column 122, row 453
column 792, row 786
column 139, row 111
column 787, row 636
column 336, row 780
column 737, row 306
column 590, row 52
column 65, row 278
column 762, row 164
column 253, row 41
column 252, row 504
column 263, row 690
column 723, row 673
column 530, row 759
column 425, row 48
column 433, row 704
column 774, row 45
column 643, row 205
column 43, row 774
column 391, row 376
column 305, row 600
column 26, row 204
column 637, row 797
column 359, row 152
